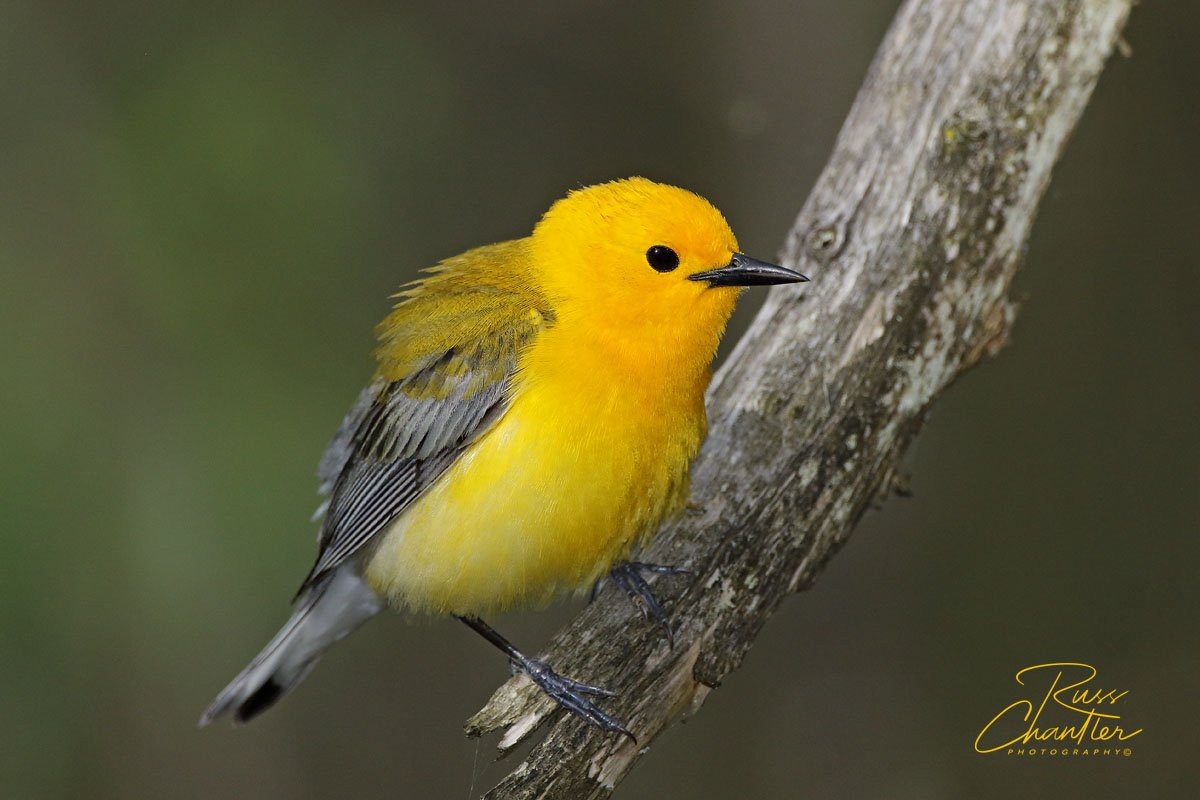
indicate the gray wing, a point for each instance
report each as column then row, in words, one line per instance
column 400, row 436
column 341, row 447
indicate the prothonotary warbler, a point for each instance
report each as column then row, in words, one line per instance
column 537, row 406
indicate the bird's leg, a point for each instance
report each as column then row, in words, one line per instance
column 562, row 690
column 629, row 576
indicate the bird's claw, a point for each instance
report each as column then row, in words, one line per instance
column 629, row 576
column 569, row 693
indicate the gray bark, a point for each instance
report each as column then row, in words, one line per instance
column 911, row 235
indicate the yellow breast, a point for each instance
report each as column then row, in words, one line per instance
column 585, row 463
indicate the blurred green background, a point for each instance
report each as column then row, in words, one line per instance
column 204, row 209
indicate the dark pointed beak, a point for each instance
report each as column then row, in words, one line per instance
column 746, row 271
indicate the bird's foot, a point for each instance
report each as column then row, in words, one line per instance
column 566, row 692
column 570, row 693
column 629, row 575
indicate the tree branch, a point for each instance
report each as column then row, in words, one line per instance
column 911, row 236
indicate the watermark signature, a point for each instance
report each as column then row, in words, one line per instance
column 1080, row 721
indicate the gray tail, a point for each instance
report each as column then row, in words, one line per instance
column 332, row 608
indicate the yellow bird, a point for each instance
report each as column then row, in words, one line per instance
column 533, row 419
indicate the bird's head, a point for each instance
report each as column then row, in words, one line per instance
column 638, row 256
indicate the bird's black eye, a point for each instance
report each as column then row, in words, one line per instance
column 662, row 258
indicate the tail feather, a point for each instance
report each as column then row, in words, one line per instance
column 330, row 610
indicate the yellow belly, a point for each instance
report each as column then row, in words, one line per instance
column 546, row 501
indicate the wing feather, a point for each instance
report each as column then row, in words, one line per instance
column 412, row 422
